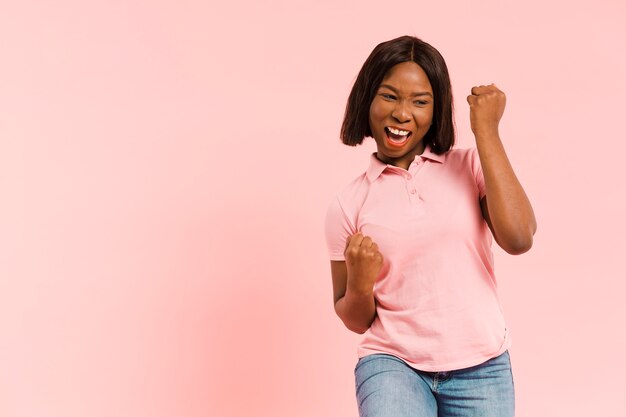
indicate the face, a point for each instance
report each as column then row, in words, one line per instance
column 401, row 114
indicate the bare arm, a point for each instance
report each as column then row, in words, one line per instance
column 505, row 207
column 353, row 283
column 356, row 310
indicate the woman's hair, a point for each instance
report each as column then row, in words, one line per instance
column 356, row 125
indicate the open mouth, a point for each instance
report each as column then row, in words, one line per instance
column 397, row 137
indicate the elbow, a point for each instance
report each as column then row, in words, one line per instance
column 517, row 240
column 518, row 249
column 355, row 328
column 351, row 325
column 518, row 245
column 357, row 320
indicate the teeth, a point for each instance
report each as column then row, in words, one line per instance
column 398, row 132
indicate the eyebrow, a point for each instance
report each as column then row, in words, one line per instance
column 421, row 93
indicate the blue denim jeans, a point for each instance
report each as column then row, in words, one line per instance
column 388, row 387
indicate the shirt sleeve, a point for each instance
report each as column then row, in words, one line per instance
column 338, row 227
column 477, row 170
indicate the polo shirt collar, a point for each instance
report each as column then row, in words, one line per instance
column 377, row 167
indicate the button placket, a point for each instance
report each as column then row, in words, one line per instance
column 410, row 188
column 414, row 169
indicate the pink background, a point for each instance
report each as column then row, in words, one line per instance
column 165, row 168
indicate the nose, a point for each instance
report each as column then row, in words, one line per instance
column 400, row 113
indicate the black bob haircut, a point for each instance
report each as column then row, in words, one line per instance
column 356, row 125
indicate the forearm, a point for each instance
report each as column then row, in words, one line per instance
column 511, row 214
column 357, row 310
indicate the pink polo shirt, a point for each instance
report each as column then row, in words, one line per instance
column 437, row 305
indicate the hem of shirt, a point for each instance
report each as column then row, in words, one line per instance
column 447, row 367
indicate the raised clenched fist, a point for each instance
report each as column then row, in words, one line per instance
column 486, row 108
column 363, row 262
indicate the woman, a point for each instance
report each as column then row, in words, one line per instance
column 410, row 241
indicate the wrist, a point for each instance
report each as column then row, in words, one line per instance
column 359, row 292
column 486, row 131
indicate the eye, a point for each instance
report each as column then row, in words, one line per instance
column 388, row 96
column 421, row 102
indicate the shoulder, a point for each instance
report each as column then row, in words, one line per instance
column 358, row 186
column 467, row 164
column 349, row 200
column 463, row 160
column 460, row 156
column 342, row 214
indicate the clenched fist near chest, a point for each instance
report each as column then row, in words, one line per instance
column 363, row 262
